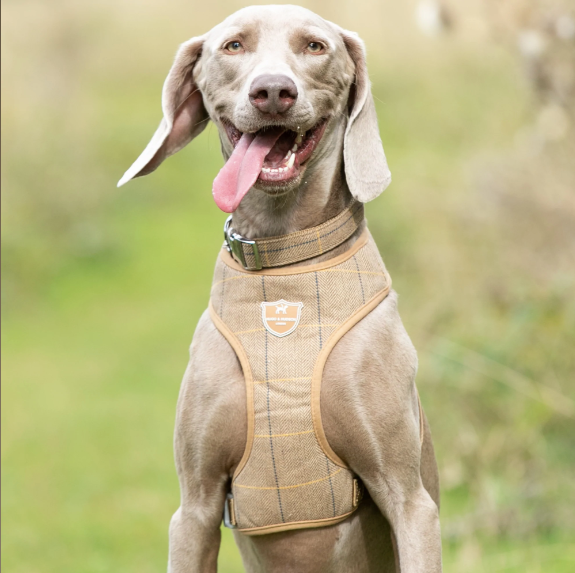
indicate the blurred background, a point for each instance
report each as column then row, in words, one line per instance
column 102, row 287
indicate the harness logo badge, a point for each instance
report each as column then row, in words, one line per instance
column 281, row 317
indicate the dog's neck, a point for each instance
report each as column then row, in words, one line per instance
column 263, row 215
column 322, row 194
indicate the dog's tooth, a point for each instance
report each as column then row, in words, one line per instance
column 291, row 161
column 294, row 148
column 298, row 139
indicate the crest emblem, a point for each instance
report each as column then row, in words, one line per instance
column 281, row 317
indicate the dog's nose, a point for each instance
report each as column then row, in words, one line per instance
column 273, row 94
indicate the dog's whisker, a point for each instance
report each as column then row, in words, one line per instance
column 201, row 121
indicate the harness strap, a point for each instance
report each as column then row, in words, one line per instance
column 256, row 254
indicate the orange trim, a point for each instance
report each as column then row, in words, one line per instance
column 299, row 326
column 241, row 354
column 328, row 270
column 320, row 364
column 316, row 376
column 295, row 525
column 283, row 435
column 229, row 261
column 290, row 486
column 282, row 380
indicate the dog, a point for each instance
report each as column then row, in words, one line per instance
column 268, row 76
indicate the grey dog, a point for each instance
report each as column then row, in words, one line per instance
column 310, row 72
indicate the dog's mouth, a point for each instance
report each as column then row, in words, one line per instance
column 273, row 155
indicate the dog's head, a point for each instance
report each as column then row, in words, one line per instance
column 286, row 89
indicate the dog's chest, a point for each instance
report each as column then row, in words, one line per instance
column 282, row 324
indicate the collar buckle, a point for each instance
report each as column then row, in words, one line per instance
column 234, row 243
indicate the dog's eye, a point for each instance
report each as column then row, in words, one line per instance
column 315, row 48
column 233, row 47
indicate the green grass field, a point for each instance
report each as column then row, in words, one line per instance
column 103, row 289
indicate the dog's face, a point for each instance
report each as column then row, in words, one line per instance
column 282, row 72
column 286, row 89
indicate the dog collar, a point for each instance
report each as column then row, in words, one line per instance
column 258, row 254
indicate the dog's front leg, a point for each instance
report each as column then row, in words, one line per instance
column 209, row 441
column 370, row 412
column 195, row 533
column 414, row 520
column 394, row 483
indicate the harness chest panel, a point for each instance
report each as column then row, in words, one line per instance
column 282, row 324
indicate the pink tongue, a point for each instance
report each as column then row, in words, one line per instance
column 242, row 169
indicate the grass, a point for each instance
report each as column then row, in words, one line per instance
column 103, row 288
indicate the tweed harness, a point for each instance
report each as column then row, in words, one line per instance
column 282, row 322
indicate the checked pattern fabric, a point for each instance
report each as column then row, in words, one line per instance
column 289, row 477
column 287, row 249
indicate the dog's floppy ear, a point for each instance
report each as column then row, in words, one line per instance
column 366, row 168
column 185, row 116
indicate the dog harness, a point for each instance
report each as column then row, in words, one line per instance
column 283, row 322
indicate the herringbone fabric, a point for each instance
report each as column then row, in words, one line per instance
column 286, row 477
column 287, row 249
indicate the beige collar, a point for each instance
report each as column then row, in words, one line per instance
column 256, row 254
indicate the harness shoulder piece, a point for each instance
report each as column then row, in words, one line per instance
column 282, row 324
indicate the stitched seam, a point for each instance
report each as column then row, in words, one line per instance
column 360, row 281
column 223, row 289
column 295, row 525
column 318, row 310
column 283, row 435
column 323, row 236
column 320, row 364
column 320, row 347
column 377, row 274
column 281, row 380
column 299, row 326
column 279, row 249
column 269, row 414
column 291, row 486
column 244, row 361
column 266, row 256
column 247, row 276
column 330, row 485
column 289, row 269
column 323, row 228
column 330, row 223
